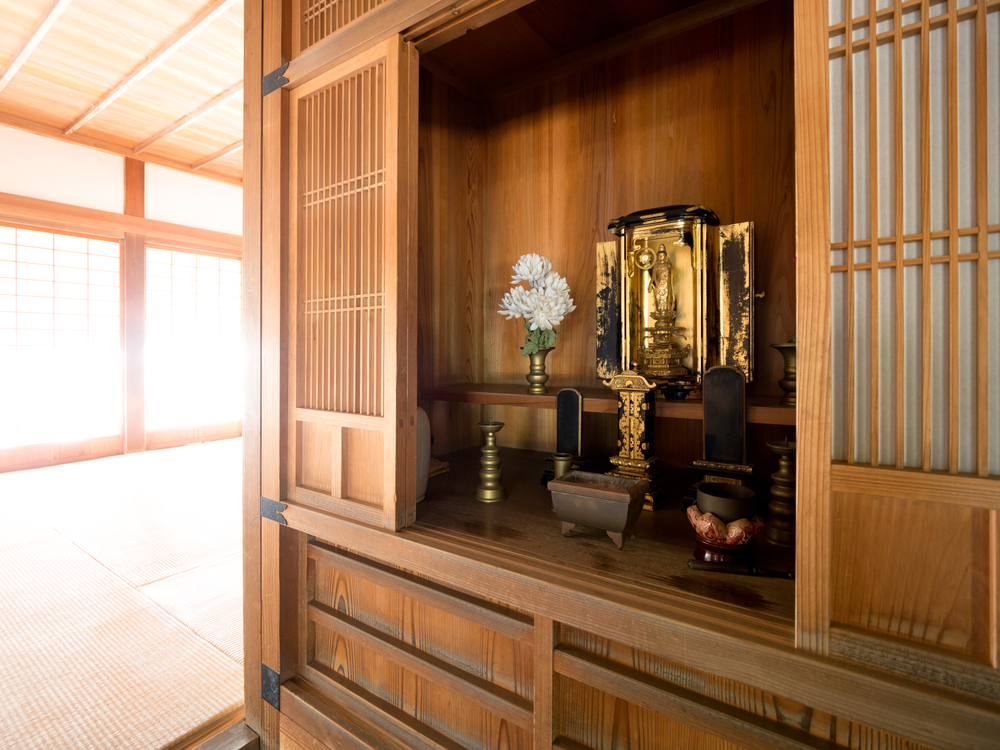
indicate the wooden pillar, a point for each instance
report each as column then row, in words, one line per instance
column 134, row 311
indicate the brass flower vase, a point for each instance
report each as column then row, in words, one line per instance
column 536, row 373
column 787, row 383
column 490, row 490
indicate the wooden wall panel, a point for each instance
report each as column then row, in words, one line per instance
column 914, row 570
column 362, row 465
column 475, row 649
column 783, row 710
column 565, row 157
column 605, row 722
column 314, row 451
column 450, row 242
column 432, row 705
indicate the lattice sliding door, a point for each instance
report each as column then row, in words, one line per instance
column 351, row 389
column 915, row 245
column 915, row 321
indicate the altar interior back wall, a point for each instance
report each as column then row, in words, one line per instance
column 706, row 117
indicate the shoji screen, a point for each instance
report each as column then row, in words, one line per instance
column 60, row 341
column 194, row 348
column 915, row 225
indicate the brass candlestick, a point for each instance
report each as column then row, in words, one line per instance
column 787, row 383
column 490, row 490
column 780, row 528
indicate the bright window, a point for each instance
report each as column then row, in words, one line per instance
column 194, row 348
column 60, row 340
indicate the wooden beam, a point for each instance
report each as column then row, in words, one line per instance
column 457, row 20
column 36, row 212
column 510, row 623
column 49, row 131
column 36, row 36
column 231, row 148
column 177, row 41
column 916, row 484
column 135, row 187
column 368, row 30
column 662, row 28
column 224, row 98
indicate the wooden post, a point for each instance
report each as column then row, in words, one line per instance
column 134, row 309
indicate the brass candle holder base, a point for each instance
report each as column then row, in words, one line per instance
column 490, row 490
column 780, row 528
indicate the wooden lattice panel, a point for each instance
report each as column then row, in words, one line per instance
column 321, row 18
column 352, row 406
column 341, row 248
column 915, row 234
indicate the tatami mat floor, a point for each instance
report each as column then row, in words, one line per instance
column 121, row 599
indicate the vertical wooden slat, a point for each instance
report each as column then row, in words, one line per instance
column 982, row 243
column 251, row 313
column 546, row 698
column 925, row 200
column 874, row 232
column 812, row 306
column 982, row 324
column 993, row 599
column 900, row 436
column 953, row 313
column 849, row 161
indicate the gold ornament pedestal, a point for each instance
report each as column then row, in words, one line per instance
column 780, row 528
column 635, row 459
column 490, row 490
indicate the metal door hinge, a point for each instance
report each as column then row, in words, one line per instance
column 271, row 510
column 270, row 686
column 273, row 80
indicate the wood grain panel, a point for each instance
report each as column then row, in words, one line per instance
column 315, row 461
column 361, row 465
column 428, row 702
column 450, row 242
column 483, row 653
column 603, row 722
column 911, row 569
column 801, row 722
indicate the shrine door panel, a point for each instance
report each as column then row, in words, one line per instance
column 914, row 264
column 352, row 400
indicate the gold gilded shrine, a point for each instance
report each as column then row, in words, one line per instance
column 675, row 298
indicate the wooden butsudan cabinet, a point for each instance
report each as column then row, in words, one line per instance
column 409, row 152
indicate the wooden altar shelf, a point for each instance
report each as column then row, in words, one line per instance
column 760, row 410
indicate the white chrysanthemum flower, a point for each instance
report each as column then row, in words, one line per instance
column 516, row 303
column 544, row 305
column 531, row 268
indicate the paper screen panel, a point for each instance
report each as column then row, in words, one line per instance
column 914, row 163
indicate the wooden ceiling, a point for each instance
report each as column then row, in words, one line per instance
column 160, row 81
